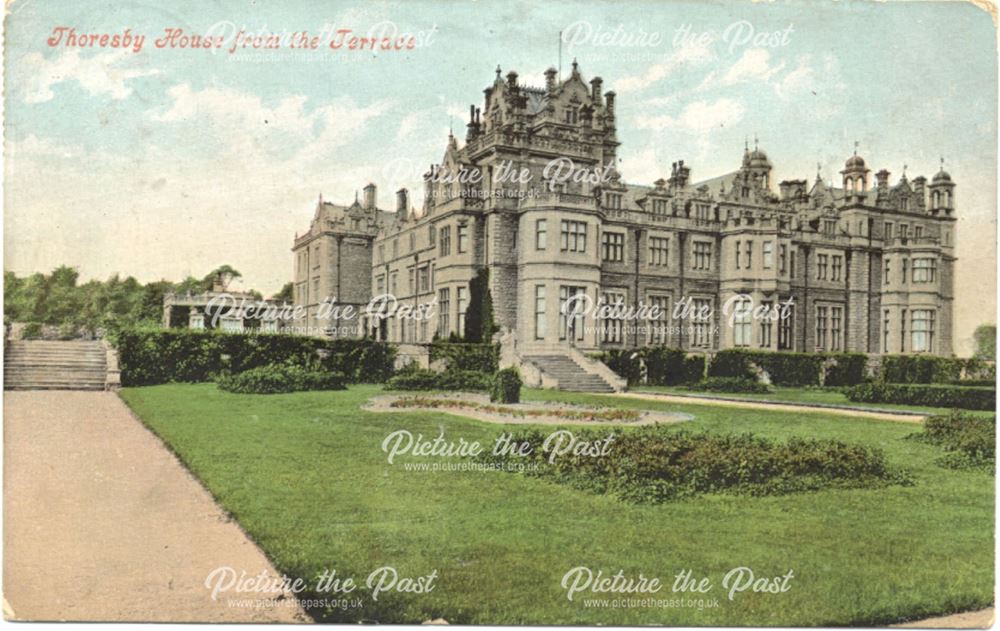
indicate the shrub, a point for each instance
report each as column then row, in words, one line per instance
column 657, row 464
column 969, row 440
column 464, row 356
column 847, row 369
column 924, row 394
column 920, row 369
column 733, row 363
column 626, row 363
column 67, row 331
column 423, row 379
column 32, row 331
column 152, row 356
column 280, row 378
column 729, row 384
column 506, row 386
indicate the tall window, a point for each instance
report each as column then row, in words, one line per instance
column 766, row 325
column 738, row 252
column 887, row 230
column 660, row 207
column 885, row 332
column 659, row 251
column 613, row 247
column 749, row 254
column 702, row 251
column 768, row 253
column 822, row 262
column 701, row 333
column 444, row 245
column 539, row 312
column 922, row 340
column 902, row 331
column 424, row 278
column 611, row 327
column 395, row 248
column 462, row 297
column 573, row 235
column 885, row 281
column 392, row 282
column 791, row 264
column 836, row 328
column 924, row 270
column 463, row 238
column 411, row 276
column 829, row 227
column 658, row 325
column 742, row 322
column 413, row 242
column 541, row 234
column 837, row 265
column 821, row 324
column 615, row 201
column 570, row 313
column 785, row 328
column 432, row 236
column 903, row 271
column 444, row 312
column 782, row 258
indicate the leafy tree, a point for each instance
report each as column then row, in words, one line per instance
column 985, row 337
column 479, row 323
column 287, row 293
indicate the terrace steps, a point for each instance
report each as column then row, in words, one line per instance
column 51, row 365
column 569, row 374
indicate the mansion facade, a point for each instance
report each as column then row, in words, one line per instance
column 866, row 266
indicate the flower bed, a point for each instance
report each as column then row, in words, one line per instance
column 596, row 415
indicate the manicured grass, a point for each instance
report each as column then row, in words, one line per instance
column 305, row 476
column 796, row 395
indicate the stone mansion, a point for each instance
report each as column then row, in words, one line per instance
column 867, row 266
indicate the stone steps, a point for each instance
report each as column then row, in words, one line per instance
column 570, row 375
column 55, row 365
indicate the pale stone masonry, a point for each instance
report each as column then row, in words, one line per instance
column 868, row 266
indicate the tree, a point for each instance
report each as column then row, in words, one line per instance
column 985, row 337
column 479, row 323
column 287, row 293
column 225, row 273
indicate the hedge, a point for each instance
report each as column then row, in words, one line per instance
column 933, row 369
column 663, row 366
column 466, row 356
column 729, row 384
column 456, row 380
column 281, row 378
column 924, row 394
column 791, row 369
column 969, row 440
column 153, row 356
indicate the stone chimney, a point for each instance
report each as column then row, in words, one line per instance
column 595, row 90
column 370, row 196
column 512, row 80
column 609, row 96
column 882, row 179
column 550, row 79
column 918, row 190
column 402, row 200
column 679, row 175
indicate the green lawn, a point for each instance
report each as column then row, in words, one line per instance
column 824, row 396
column 305, row 476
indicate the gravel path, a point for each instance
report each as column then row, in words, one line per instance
column 778, row 407
column 982, row 619
column 101, row 522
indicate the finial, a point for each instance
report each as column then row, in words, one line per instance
column 355, row 196
column 855, row 147
column 574, row 64
column 755, row 142
column 321, row 198
column 746, row 143
column 904, row 170
column 498, row 71
column 942, row 163
column 819, row 169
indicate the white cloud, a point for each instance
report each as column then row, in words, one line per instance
column 689, row 54
column 101, row 74
column 698, row 117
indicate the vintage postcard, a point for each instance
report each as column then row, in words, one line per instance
column 665, row 313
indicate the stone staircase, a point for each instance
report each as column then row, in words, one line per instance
column 570, row 375
column 44, row 365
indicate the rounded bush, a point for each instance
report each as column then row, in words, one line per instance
column 506, row 386
column 278, row 379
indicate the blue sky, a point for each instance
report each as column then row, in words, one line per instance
column 169, row 162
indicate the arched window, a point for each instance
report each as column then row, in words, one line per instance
column 936, row 199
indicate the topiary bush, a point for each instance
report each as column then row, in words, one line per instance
column 466, row 356
column 729, row 384
column 279, row 378
column 924, row 394
column 506, row 386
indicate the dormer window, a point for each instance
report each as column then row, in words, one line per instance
column 660, row 207
column 614, row 201
column 571, row 116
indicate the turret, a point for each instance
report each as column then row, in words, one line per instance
column 942, row 191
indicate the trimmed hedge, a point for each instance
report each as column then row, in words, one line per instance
column 506, row 386
column 729, row 384
column 657, row 464
column 663, row 366
column 153, row 356
column 791, row 369
column 924, row 394
column 932, row 369
column 423, row 379
column 277, row 379
column 466, row 356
